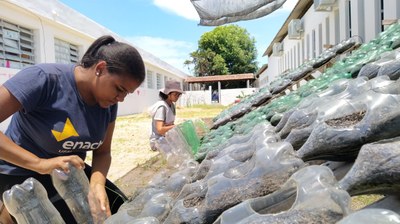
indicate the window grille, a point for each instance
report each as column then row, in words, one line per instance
column 16, row 46
column 65, row 52
column 159, row 81
column 149, row 76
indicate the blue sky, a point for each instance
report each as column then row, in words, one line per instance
column 169, row 28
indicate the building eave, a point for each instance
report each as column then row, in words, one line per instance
column 298, row 12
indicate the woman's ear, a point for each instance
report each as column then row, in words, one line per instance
column 100, row 66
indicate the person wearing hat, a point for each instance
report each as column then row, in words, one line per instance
column 163, row 112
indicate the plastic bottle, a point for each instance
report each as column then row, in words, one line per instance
column 29, row 204
column 73, row 187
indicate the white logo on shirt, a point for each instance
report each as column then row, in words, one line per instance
column 70, row 145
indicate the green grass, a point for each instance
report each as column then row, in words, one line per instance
column 199, row 111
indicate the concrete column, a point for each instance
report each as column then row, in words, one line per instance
column 372, row 21
column 391, row 9
column 358, row 18
column 219, row 92
column 343, row 19
column 248, row 83
column 209, row 95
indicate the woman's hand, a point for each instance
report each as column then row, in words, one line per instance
column 46, row 166
column 98, row 202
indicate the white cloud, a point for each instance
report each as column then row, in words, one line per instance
column 171, row 51
column 182, row 8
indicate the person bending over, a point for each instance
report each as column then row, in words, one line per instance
column 61, row 111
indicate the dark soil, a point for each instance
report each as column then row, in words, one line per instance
column 193, row 202
column 346, row 121
column 140, row 176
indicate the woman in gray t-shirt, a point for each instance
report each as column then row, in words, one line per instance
column 59, row 112
column 163, row 112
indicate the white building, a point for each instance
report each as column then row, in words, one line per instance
column 44, row 31
column 315, row 25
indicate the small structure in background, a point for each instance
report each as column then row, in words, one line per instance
column 221, row 89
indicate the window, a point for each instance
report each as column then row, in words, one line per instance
column 149, row 76
column 159, row 81
column 65, row 52
column 16, row 46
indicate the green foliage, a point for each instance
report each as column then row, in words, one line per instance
column 241, row 95
column 224, row 50
column 207, row 63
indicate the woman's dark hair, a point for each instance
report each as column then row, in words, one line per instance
column 121, row 58
column 163, row 96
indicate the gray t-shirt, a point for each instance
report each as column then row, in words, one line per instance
column 54, row 121
column 161, row 112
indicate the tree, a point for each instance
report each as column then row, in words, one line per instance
column 208, row 63
column 224, row 50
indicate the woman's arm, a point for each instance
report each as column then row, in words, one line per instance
column 162, row 128
column 12, row 153
column 100, row 166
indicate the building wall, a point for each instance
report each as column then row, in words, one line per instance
column 361, row 19
column 49, row 19
column 271, row 72
column 227, row 96
column 311, row 44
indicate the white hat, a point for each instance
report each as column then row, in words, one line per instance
column 171, row 86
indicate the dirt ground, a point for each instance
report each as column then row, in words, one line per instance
column 145, row 170
column 134, row 164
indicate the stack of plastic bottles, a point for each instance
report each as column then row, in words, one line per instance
column 29, row 204
column 257, row 168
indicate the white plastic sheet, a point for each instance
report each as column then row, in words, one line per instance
column 219, row 12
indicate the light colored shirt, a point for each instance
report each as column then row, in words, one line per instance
column 161, row 111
